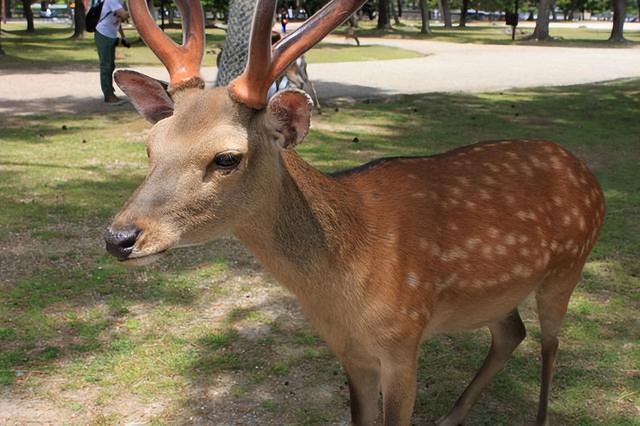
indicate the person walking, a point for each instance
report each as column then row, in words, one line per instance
column 284, row 19
column 106, row 39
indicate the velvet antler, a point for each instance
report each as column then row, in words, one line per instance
column 182, row 61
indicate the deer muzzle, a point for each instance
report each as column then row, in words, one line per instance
column 120, row 242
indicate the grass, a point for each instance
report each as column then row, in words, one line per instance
column 499, row 33
column 205, row 335
column 51, row 48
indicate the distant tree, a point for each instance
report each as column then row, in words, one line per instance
column 1, row 49
column 383, row 14
column 396, row 19
column 619, row 12
column 2, row 15
column 28, row 14
column 445, row 12
column 424, row 13
column 463, row 13
column 79, row 20
column 541, row 32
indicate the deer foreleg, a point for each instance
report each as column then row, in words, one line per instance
column 398, row 390
column 364, row 390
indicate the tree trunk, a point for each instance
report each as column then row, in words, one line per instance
column 638, row 10
column 400, row 8
column 79, row 20
column 1, row 19
column 393, row 13
column 542, row 23
column 236, row 45
column 424, row 13
column 383, row 15
column 445, row 11
column 28, row 14
column 3, row 16
column 463, row 13
column 618, row 21
column 554, row 17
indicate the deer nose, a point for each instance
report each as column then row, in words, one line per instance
column 120, row 241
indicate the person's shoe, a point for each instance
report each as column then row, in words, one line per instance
column 113, row 100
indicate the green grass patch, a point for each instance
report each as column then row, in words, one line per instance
column 51, row 48
column 499, row 33
column 206, row 324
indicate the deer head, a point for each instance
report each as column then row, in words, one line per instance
column 214, row 154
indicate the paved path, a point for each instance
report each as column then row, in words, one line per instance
column 446, row 67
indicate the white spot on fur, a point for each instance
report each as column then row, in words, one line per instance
column 509, row 168
column 463, row 181
column 510, row 199
column 472, row 243
column 412, row 280
column 492, row 167
column 500, row 249
column 488, row 180
column 510, row 240
column 484, row 194
column 454, row 254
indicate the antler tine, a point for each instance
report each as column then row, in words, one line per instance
column 265, row 65
column 182, row 62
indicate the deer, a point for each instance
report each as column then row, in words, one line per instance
column 380, row 257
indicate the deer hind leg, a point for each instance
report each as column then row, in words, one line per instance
column 506, row 335
column 552, row 300
column 364, row 390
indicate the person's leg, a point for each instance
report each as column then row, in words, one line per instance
column 106, row 53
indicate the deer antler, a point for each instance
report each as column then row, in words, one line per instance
column 264, row 65
column 182, row 62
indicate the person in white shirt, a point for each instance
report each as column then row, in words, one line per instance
column 106, row 39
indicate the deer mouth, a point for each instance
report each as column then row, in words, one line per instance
column 142, row 259
column 130, row 246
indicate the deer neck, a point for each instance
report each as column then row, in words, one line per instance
column 309, row 231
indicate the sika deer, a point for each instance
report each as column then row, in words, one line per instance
column 380, row 256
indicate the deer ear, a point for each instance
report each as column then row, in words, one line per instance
column 289, row 112
column 148, row 95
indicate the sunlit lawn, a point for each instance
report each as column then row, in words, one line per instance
column 205, row 334
column 51, row 48
column 498, row 33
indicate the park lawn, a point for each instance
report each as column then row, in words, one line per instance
column 50, row 48
column 206, row 335
column 498, row 33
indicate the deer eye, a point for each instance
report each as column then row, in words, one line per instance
column 224, row 162
column 227, row 160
